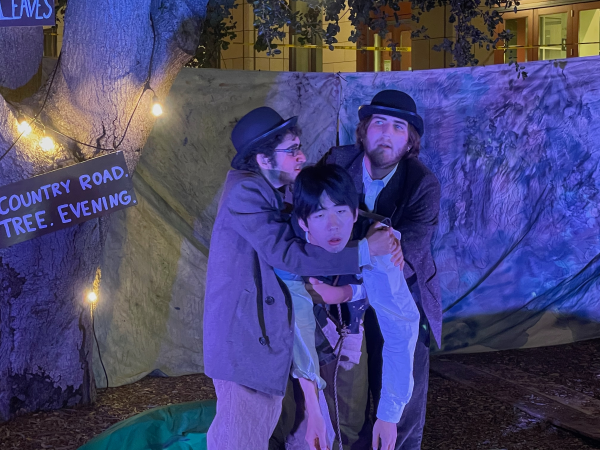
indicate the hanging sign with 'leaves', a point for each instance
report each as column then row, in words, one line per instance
column 63, row 198
column 27, row 13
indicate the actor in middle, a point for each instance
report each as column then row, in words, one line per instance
column 326, row 208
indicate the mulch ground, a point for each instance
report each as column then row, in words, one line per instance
column 457, row 417
column 68, row 429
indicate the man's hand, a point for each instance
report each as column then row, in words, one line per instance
column 332, row 295
column 384, row 433
column 316, row 434
column 381, row 240
column 397, row 255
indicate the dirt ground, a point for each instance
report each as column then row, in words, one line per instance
column 458, row 418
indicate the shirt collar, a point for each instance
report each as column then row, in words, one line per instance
column 368, row 180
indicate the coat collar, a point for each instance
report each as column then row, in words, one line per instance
column 392, row 197
column 356, row 172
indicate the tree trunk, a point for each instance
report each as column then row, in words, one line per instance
column 20, row 61
column 45, row 326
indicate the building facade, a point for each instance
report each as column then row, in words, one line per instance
column 542, row 30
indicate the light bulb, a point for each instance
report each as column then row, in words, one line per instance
column 47, row 143
column 92, row 297
column 156, row 107
column 23, row 126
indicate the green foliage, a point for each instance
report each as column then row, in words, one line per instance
column 59, row 7
column 273, row 15
column 462, row 15
column 320, row 23
column 217, row 33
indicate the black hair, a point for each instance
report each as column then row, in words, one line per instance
column 312, row 181
column 266, row 148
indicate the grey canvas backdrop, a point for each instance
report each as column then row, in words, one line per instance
column 517, row 246
column 149, row 315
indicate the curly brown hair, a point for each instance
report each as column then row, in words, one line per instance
column 266, row 148
column 414, row 140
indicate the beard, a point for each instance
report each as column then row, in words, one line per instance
column 383, row 157
column 278, row 177
column 286, row 178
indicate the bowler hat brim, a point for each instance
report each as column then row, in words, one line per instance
column 239, row 158
column 414, row 119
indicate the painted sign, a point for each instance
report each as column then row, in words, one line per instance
column 63, row 198
column 27, row 13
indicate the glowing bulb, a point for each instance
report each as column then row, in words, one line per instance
column 156, row 107
column 47, row 143
column 92, row 297
column 23, row 127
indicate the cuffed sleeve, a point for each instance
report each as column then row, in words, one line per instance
column 398, row 319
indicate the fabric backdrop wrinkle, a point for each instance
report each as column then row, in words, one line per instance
column 517, row 249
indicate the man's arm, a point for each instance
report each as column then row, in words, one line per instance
column 305, row 362
column 316, row 432
column 398, row 319
column 420, row 220
column 255, row 212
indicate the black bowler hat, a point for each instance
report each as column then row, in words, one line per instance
column 255, row 127
column 396, row 104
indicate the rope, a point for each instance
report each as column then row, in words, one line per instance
column 343, row 331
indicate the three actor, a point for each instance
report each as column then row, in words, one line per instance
column 248, row 320
column 258, row 263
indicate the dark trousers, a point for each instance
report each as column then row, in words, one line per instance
column 292, row 415
column 410, row 427
column 352, row 395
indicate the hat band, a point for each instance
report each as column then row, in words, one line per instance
column 283, row 125
column 394, row 110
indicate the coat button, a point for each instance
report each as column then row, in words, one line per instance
column 262, row 341
column 270, row 300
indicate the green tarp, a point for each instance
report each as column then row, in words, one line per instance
column 173, row 427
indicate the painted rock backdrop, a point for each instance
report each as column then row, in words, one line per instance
column 518, row 244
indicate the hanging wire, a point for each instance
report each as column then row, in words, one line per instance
column 146, row 84
column 41, row 109
column 98, row 347
column 34, row 119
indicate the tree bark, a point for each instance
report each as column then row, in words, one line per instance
column 45, row 326
column 20, row 61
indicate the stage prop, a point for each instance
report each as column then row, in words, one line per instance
column 63, row 198
column 27, row 13
column 173, row 427
column 149, row 310
column 517, row 249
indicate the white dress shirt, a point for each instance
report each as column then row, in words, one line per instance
column 372, row 188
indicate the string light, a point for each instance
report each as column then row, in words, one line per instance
column 92, row 297
column 23, row 126
column 47, row 143
column 156, row 107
